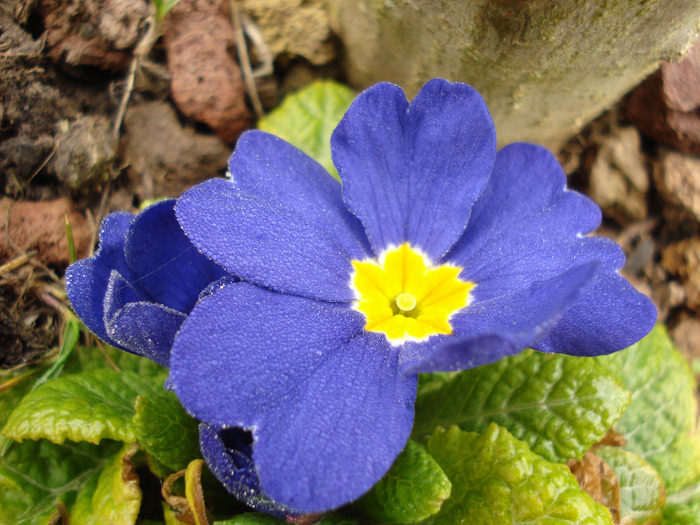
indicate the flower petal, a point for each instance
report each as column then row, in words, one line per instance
column 117, row 293
column 228, row 455
column 412, row 172
column 86, row 280
column 274, row 170
column 611, row 316
column 137, row 325
column 327, row 406
column 265, row 243
column 487, row 331
column 146, row 329
column 163, row 261
column 526, row 226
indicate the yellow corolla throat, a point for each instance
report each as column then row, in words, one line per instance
column 405, row 297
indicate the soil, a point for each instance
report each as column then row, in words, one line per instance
column 64, row 67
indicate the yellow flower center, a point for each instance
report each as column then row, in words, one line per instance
column 406, row 302
column 405, row 297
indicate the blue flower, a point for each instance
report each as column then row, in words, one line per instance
column 143, row 281
column 437, row 253
column 228, row 454
column 135, row 293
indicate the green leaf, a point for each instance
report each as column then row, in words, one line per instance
column 35, row 476
column 497, row 479
column 308, row 117
column 256, row 518
column 683, row 507
column 642, row 493
column 336, row 519
column 659, row 423
column 414, row 489
column 560, row 405
column 88, row 406
column 13, row 387
column 251, row 518
column 165, row 430
column 86, row 358
column 162, row 8
column 682, row 514
column 111, row 496
column 70, row 340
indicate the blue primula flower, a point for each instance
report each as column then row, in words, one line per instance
column 143, row 281
column 437, row 253
column 135, row 293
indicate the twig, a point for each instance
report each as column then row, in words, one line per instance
column 130, row 76
column 110, row 361
column 16, row 262
column 143, row 48
column 10, row 383
column 46, row 161
column 244, row 59
column 635, row 230
column 28, row 279
column 261, row 47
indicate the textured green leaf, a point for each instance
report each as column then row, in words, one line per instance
column 660, row 421
column 642, row 493
column 88, row 406
column 308, row 117
column 498, row 479
column 560, row 405
column 37, row 475
column 111, row 496
column 165, row 430
column 414, row 488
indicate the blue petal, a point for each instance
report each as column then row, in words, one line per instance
column 611, row 316
column 327, row 406
column 412, row 172
column 527, row 226
column 270, row 168
column 86, row 280
column 137, row 325
column 228, row 454
column 217, row 285
column 117, row 293
column 487, row 331
column 146, row 329
column 163, row 261
column 265, row 243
